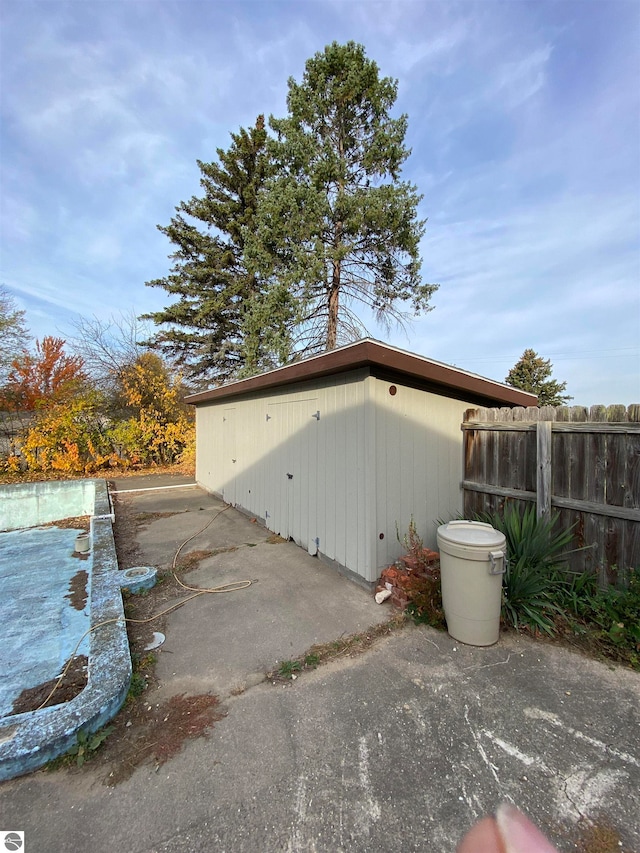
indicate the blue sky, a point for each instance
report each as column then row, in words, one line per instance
column 524, row 120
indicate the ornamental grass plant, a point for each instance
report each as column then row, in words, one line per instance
column 536, row 549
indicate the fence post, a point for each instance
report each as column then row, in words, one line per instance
column 543, row 474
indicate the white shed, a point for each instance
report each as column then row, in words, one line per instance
column 338, row 451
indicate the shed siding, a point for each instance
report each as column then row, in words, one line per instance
column 418, row 458
column 370, row 462
column 274, row 435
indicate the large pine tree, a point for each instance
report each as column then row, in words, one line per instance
column 337, row 228
column 211, row 329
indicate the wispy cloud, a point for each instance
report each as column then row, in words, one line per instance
column 524, row 121
column 408, row 55
column 518, row 80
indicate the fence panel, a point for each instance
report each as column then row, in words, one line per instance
column 583, row 465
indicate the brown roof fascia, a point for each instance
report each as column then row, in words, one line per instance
column 369, row 353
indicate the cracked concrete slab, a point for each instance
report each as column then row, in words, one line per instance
column 401, row 748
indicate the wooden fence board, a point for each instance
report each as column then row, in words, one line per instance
column 490, row 440
column 543, row 465
column 560, row 468
column 631, row 548
column 615, row 477
column 470, row 454
column 596, row 456
column 591, row 479
column 529, row 479
column 506, row 450
column 632, row 480
column 612, row 548
column 576, row 463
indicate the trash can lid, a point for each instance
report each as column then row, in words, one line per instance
column 472, row 534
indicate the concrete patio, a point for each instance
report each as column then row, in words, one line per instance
column 400, row 748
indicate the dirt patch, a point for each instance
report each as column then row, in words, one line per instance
column 79, row 522
column 348, row 646
column 274, row 539
column 148, row 733
column 186, row 468
column 77, row 594
column 585, row 638
column 144, row 606
column 73, row 682
column 594, row 836
column 124, row 533
column 144, row 519
column 147, row 606
column 192, row 559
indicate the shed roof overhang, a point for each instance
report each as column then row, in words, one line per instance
column 385, row 361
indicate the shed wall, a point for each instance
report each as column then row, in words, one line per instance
column 303, row 475
column 418, row 463
column 337, row 482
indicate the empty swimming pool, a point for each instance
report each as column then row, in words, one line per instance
column 55, row 605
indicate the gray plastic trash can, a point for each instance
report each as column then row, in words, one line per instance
column 472, row 562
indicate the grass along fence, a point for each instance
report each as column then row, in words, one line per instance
column 583, row 464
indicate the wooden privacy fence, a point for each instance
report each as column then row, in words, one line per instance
column 583, row 464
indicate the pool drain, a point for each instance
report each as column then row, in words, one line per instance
column 138, row 578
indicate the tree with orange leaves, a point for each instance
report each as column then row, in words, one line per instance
column 43, row 378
